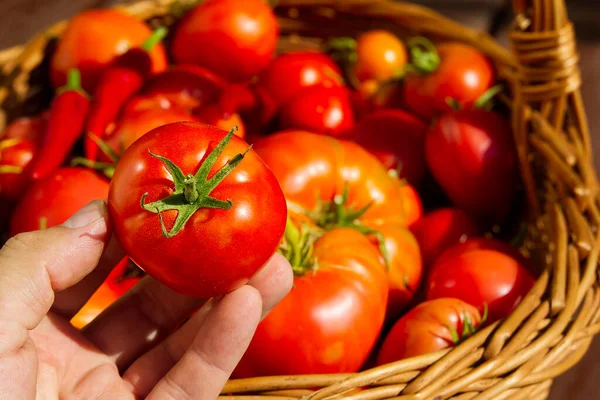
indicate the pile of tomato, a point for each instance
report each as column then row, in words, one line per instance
column 381, row 168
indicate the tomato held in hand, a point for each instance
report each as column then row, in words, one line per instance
column 319, row 109
column 431, row 326
column 54, row 199
column 472, row 156
column 235, row 38
column 193, row 211
column 116, row 285
column 93, row 39
column 397, row 139
column 457, row 73
column 290, row 73
column 442, row 229
column 482, row 273
column 380, row 56
column 331, row 319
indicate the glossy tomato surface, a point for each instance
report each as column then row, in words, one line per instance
column 412, row 204
column 380, row 56
column 484, row 273
column 15, row 156
column 54, row 199
column 93, row 38
column 472, row 156
column 234, row 38
column 330, row 320
column 428, row 328
column 214, row 115
column 217, row 250
column 463, row 75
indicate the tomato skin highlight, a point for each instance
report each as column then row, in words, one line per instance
column 56, row 198
column 319, row 327
column 380, row 56
column 425, row 329
column 412, row 204
column 235, row 38
column 464, row 74
column 231, row 244
column 472, row 156
column 482, row 273
column 93, row 39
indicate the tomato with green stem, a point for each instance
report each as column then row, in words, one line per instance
column 431, row 326
column 319, row 327
column 187, row 191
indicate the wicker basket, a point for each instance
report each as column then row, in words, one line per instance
column 550, row 331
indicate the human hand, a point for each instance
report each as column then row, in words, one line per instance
column 131, row 350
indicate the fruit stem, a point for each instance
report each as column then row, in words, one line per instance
column 73, row 83
column 157, row 36
column 484, row 101
column 424, row 55
column 10, row 169
column 107, row 169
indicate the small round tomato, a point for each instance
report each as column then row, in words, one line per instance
column 235, row 38
column 54, row 199
column 480, row 273
column 27, row 128
column 411, row 203
column 380, row 56
column 319, row 109
column 213, row 115
column 93, row 39
column 330, row 321
column 186, row 86
column 462, row 76
column 253, row 103
column 472, row 156
column 441, row 229
column 186, row 192
column 431, row 326
column 397, row 139
column 290, row 73
column 15, row 157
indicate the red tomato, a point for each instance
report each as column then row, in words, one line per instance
column 27, row 128
column 115, row 286
column 15, row 156
column 441, row 229
column 213, row 115
column 431, row 326
column 133, row 126
column 380, row 56
column 412, row 205
column 252, row 102
column 290, row 73
column 233, row 223
column 57, row 197
column 93, row 39
column 331, row 319
column 397, row 139
column 235, row 38
column 141, row 103
column 472, row 156
column 186, row 86
column 319, row 109
column 480, row 273
column 463, row 74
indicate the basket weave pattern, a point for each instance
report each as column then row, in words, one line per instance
column 552, row 328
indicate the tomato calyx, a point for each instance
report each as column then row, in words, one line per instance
column 484, row 102
column 106, row 168
column 424, row 56
column 192, row 192
column 297, row 248
column 468, row 327
column 156, row 37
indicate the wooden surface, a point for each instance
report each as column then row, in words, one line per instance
column 19, row 19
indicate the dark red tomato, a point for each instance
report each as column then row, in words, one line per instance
column 411, row 203
column 397, row 139
column 232, row 221
column 330, row 320
column 472, row 156
column 319, row 109
column 135, row 125
column 27, row 128
column 429, row 327
column 15, row 157
column 235, row 38
column 480, row 273
column 213, row 115
column 186, row 86
column 289, row 73
column 441, row 229
column 93, row 39
column 463, row 74
column 252, row 102
column 116, row 285
column 54, row 199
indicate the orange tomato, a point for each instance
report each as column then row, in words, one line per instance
column 380, row 56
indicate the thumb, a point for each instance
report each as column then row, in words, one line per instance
column 34, row 265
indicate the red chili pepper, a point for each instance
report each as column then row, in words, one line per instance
column 67, row 117
column 121, row 81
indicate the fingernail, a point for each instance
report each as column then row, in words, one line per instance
column 88, row 214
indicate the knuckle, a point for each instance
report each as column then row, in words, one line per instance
column 174, row 390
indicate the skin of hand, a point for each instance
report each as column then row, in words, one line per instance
column 145, row 345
